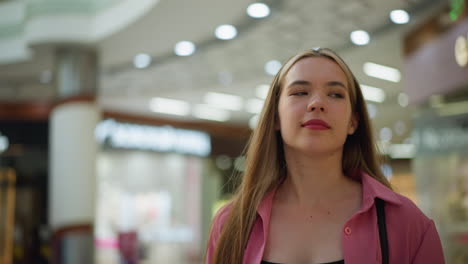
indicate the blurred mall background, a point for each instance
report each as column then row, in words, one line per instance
column 121, row 121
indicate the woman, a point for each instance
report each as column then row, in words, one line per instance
column 312, row 180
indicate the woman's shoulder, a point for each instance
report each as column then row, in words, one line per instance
column 220, row 218
column 408, row 208
column 413, row 231
column 407, row 215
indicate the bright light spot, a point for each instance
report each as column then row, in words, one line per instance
column 399, row 16
column 386, row 134
column 262, row 91
column 226, row 32
column 223, row 162
column 402, row 151
column 387, row 171
column 400, row 128
column 169, row 106
column 142, row 61
column 224, row 101
column 360, row 37
column 272, row 67
column 258, row 10
column 225, row 78
column 373, row 93
column 254, row 106
column 382, row 72
column 211, row 113
column 184, row 48
column 4, row 143
column 403, row 100
column 253, row 122
column 372, row 109
column 239, row 163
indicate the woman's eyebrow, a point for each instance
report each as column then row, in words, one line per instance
column 306, row 83
column 337, row 83
column 299, row 82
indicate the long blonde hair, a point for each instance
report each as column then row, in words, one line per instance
column 266, row 166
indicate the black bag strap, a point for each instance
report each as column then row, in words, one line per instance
column 380, row 205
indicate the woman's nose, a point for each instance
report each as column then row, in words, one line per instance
column 316, row 104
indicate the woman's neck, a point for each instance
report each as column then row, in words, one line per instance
column 312, row 179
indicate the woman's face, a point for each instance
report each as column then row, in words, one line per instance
column 314, row 107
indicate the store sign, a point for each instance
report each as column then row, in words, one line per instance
column 461, row 50
column 161, row 139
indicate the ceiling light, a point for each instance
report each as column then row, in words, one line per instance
column 226, row 32
column 223, row 162
column 184, row 48
column 225, row 78
column 403, row 100
column 360, row 37
column 254, row 106
column 386, row 134
column 253, row 122
column 373, row 93
column 225, row 101
column 211, row 113
column 262, row 91
column 372, row 110
column 142, row 61
column 169, row 106
column 402, row 151
column 399, row 16
column 4, row 143
column 400, row 127
column 382, row 72
column 258, row 10
column 272, row 67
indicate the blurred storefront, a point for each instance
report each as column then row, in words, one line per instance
column 436, row 63
column 157, row 187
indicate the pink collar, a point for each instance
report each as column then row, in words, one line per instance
column 371, row 189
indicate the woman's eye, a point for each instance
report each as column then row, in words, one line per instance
column 299, row 93
column 336, row 95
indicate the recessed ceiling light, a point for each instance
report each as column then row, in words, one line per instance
column 253, row 122
column 211, row 113
column 142, row 60
column 261, row 91
column 386, row 134
column 169, row 106
column 184, row 48
column 226, row 32
column 399, row 16
column 400, row 127
column 4, row 143
column 372, row 110
column 382, row 72
column 224, row 101
column 360, row 37
column 254, row 106
column 258, row 10
column 403, row 100
column 272, row 67
column 371, row 93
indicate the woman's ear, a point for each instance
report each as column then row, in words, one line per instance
column 353, row 124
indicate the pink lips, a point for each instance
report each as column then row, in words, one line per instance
column 316, row 124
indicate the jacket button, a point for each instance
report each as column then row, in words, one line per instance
column 347, row 231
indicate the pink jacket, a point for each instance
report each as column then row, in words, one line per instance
column 412, row 236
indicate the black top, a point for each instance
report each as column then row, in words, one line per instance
column 335, row 262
